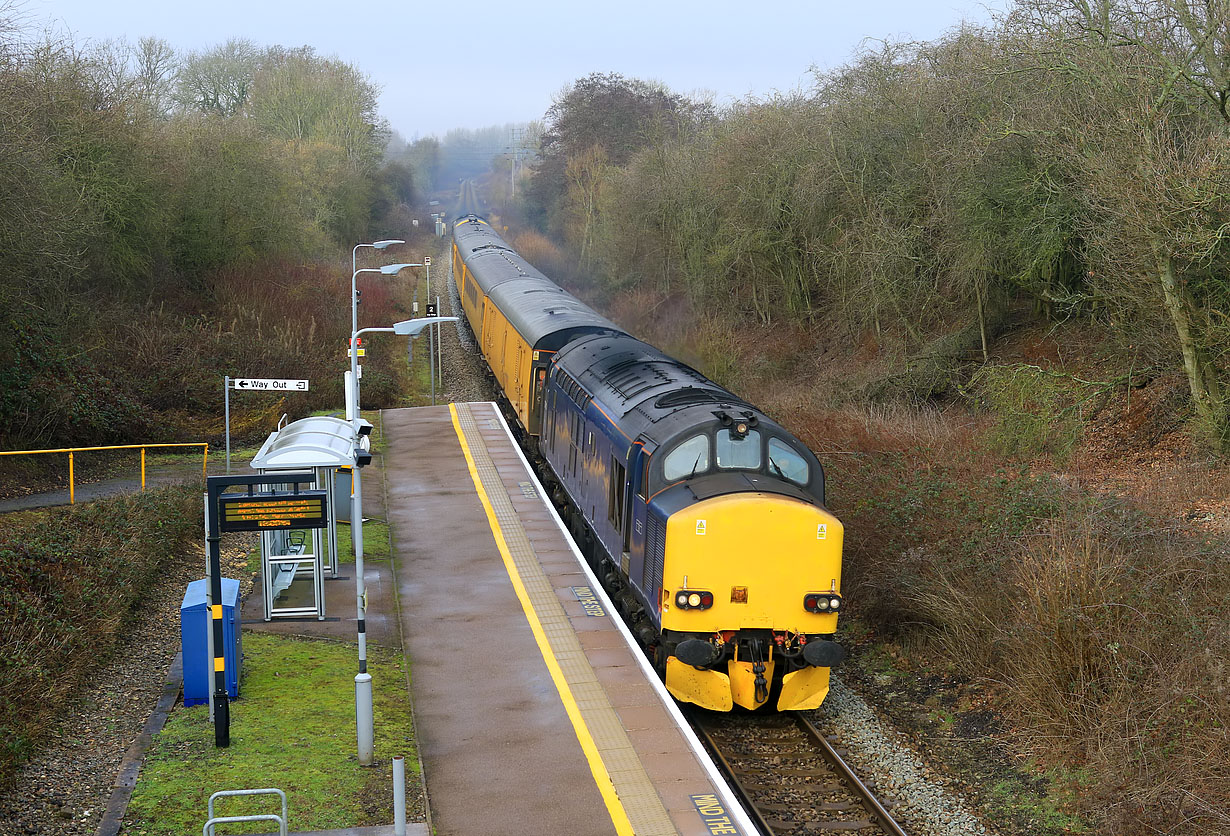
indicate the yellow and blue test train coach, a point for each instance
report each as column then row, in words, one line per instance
column 703, row 517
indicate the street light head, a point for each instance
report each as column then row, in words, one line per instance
column 392, row 269
column 411, row 327
column 380, row 245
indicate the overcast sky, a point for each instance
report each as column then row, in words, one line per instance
column 450, row 64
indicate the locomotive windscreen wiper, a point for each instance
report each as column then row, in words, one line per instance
column 696, row 463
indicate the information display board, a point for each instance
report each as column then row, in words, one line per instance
column 271, row 510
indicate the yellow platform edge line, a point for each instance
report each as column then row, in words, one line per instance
column 619, row 817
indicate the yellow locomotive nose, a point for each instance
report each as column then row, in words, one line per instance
column 769, row 561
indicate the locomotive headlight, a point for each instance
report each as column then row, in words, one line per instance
column 821, row 602
column 688, row 599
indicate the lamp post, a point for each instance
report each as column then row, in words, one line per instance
column 388, row 270
column 376, row 245
column 363, row 680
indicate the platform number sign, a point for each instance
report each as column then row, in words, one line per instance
column 431, row 309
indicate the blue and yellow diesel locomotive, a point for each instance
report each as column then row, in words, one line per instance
column 703, row 517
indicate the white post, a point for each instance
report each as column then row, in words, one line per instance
column 226, row 399
column 399, row 796
column 363, row 717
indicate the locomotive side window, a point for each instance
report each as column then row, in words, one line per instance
column 738, row 452
column 784, row 461
column 691, row 456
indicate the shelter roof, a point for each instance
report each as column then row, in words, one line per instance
column 309, row 442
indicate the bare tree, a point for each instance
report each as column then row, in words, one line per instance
column 218, row 80
column 156, row 68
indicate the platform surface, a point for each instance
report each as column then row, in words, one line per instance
column 534, row 714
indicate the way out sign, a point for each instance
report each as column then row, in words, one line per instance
column 263, row 384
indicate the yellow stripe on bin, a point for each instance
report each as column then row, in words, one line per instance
column 217, row 611
column 619, row 817
column 219, row 663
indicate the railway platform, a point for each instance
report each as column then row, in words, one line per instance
column 535, row 711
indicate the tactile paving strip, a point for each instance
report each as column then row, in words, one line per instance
column 636, row 792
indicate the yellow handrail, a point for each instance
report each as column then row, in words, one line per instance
column 70, row 450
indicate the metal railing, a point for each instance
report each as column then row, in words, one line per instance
column 142, row 447
column 208, row 829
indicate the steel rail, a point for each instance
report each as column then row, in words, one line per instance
column 750, row 806
column 873, row 805
column 877, row 814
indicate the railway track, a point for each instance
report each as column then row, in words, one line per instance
column 791, row 778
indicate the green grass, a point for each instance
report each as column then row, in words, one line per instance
column 375, row 542
column 1046, row 806
column 292, row 728
column 379, row 443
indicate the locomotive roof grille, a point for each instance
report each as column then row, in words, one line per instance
column 631, row 377
column 691, row 395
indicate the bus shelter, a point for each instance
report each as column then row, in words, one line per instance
column 294, row 561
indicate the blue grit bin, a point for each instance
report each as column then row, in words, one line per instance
column 193, row 624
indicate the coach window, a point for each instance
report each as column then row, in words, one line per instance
column 738, row 452
column 785, row 462
column 691, row 456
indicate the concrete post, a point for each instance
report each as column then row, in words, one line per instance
column 399, row 796
column 363, row 717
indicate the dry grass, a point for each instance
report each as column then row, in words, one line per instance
column 1106, row 633
column 277, row 320
column 538, row 250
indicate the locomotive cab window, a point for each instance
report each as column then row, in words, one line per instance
column 738, row 452
column 691, row 456
column 784, row 461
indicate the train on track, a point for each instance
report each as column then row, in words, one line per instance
column 703, row 518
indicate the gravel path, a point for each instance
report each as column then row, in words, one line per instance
column 64, row 789
column 922, row 804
